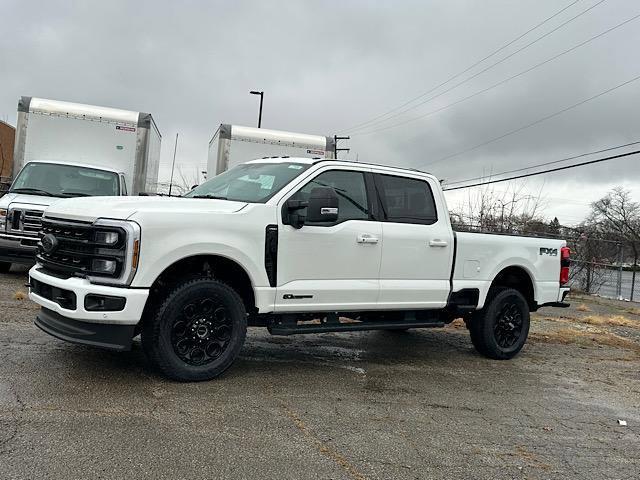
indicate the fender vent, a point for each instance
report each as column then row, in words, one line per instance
column 271, row 254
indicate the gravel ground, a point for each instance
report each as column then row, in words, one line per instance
column 420, row 404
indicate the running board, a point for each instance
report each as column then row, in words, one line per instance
column 293, row 328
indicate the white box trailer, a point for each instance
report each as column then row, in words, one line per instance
column 232, row 145
column 99, row 137
column 65, row 150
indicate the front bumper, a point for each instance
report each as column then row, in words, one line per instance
column 17, row 249
column 135, row 299
column 109, row 336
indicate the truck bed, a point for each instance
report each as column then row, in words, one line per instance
column 480, row 257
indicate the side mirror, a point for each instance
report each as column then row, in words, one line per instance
column 323, row 205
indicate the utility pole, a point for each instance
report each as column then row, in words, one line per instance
column 336, row 138
column 255, row 92
column 173, row 165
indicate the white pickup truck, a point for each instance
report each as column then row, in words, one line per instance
column 296, row 245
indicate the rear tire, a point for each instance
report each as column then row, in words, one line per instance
column 500, row 329
column 5, row 267
column 197, row 332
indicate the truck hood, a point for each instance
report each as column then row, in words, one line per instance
column 40, row 202
column 121, row 208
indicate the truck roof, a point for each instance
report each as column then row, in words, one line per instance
column 79, row 110
column 313, row 161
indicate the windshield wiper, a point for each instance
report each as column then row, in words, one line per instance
column 215, row 197
column 32, row 190
column 75, row 194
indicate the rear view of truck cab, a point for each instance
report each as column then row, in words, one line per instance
column 64, row 150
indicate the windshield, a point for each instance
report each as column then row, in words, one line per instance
column 56, row 180
column 249, row 182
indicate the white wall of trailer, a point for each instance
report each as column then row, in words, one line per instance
column 98, row 137
column 249, row 143
column 153, row 159
column 75, row 140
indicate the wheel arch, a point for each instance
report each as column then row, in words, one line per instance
column 215, row 266
column 519, row 278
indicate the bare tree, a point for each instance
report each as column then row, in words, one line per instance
column 616, row 218
column 501, row 211
column 183, row 181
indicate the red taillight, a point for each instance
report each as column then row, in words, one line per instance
column 565, row 253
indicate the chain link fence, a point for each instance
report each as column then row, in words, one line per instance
column 605, row 279
column 604, row 267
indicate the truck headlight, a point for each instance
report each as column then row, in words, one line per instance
column 3, row 218
column 106, row 237
column 102, row 266
column 117, row 250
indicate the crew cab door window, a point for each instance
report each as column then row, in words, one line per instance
column 351, row 190
column 406, row 200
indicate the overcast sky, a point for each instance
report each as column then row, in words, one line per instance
column 326, row 66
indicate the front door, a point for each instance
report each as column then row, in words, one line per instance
column 331, row 267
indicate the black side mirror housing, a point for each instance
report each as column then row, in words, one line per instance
column 323, row 206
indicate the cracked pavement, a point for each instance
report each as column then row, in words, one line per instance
column 420, row 404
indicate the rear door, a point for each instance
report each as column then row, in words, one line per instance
column 417, row 252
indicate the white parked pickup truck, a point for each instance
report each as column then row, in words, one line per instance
column 295, row 245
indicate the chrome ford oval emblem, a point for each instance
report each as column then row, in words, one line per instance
column 49, row 243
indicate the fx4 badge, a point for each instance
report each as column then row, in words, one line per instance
column 552, row 252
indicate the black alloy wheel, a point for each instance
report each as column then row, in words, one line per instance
column 500, row 329
column 508, row 325
column 196, row 331
column 201, row 332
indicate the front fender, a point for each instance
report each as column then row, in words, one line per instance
column 153, row 264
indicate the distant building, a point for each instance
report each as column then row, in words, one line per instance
column 7, row 140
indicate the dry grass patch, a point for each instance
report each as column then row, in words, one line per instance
column 611, row 320
column 592, row 336
column 583, row 308
column 458, row 324
column 19, row 295
column 633, row 311
column 598, row 320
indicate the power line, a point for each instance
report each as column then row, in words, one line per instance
column 546, row 163
column 336, row 139
column 557, row 169
column 359, row 127
column 491, row 87
column 463, row 71
column 536, row 122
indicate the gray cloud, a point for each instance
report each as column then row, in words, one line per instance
column 328, row 65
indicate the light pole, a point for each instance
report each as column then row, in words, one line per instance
column 254, row 92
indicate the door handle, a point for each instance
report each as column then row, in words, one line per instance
column 438, row 243
column 366, row 238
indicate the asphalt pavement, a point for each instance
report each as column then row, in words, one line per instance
column 365, row 405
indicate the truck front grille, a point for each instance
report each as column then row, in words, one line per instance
column 25, row 221
column 70, row 249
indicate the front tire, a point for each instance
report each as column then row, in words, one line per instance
column 500, row 329
column 5, row 267
column 197, row 332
